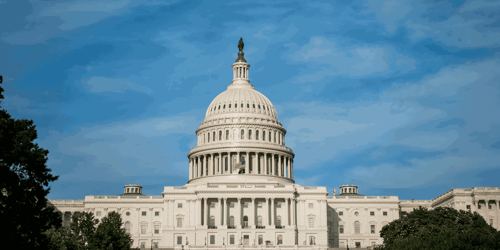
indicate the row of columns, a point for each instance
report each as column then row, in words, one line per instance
column 244, row 134
column 240, row 71
column 221, row 163
column 488, row 213
column 222, row 213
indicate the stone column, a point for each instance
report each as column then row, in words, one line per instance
column 272, row 165
column 251, row 220
column 280, row 173
column 204, row 167
column 266, row 214
column 221, row 171
column 288, row 212
column 212, row 165
column 219, row 211
column 207, row 212
column 291, row 166
column 247, row 163
column 172, row 215
column 223, row 211
column 228, row 162
column 197, row 212
column 288, row 165
column 190, row 168
column 237, row 218
column 272, row 213
column 188, row 217
column 198, row 165
column 293, row 213
column 265, row 163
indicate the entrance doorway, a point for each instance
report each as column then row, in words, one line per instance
column 246, row 239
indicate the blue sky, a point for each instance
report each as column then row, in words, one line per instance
column 400, row 98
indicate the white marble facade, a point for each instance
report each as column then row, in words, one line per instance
column 241, row 189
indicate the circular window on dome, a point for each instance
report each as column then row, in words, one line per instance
column 128, row 213
column 356, row 213
column 259, row 106
column 224, row 106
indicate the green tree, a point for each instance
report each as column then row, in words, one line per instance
column 441, row 228
column 86, row 233
column 24, row 181
column 110, row 233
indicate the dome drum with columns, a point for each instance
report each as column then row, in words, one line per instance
column 241, row 129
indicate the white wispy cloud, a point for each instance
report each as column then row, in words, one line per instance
column 99, row 84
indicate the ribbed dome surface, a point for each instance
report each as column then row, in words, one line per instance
column 241, row 99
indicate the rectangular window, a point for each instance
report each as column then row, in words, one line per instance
column 478, row 206
column 341, row 213
column 372, row 228
column 143, row 229
column 157, row 229
column 358, row 244
column 157, row 213
column 341, row 229
column 179, row 205
column 311, row 205
column 280, row 239
column 278, row 205
column 245, row 205
column 155, row 244
column 179, row 222
column 372, row 213
column 311, row 222
column 179, row 240
column 143, row 213
column 261, row 239
column 98, row 213
column 231, row 239
column 212, row 239
column 212, row 205
column 468, row 206
column 489, row 206
column 384, row 213
column 143, row 244
column 312, row 240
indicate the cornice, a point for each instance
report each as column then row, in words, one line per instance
column 239, row 125
column 257, row 147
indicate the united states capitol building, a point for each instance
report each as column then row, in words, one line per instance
column 241, row 191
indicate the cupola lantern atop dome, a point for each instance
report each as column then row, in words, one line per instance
column 240, row 68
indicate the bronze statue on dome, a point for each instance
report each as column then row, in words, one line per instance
column 241, row 44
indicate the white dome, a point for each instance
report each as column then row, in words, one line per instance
column 241, row 99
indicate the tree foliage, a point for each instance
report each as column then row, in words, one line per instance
column 86, row 233
column 24, row 181
column 441, row 228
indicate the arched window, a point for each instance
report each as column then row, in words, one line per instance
column 203, row 138
column 357, row 227
column 242, row 134
column 279, row 138
column 249, row 134
column 227, row 134
column 245, row 221
column 269, row 136
column 259, row 106
column 257, row 135
column 274, row 137
column 127, row 227
column 259, row 221
column 224, row 106
column 231, row 221
column 212, row 220
column 253, row 105
column 214, row 136
column 278, row 221
column 242, row 105
column 229, row 105
column 220, row 135
column 236, row 105
column 248, row 106
column 263, row 135
column 219, row 107
column 208, row 135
